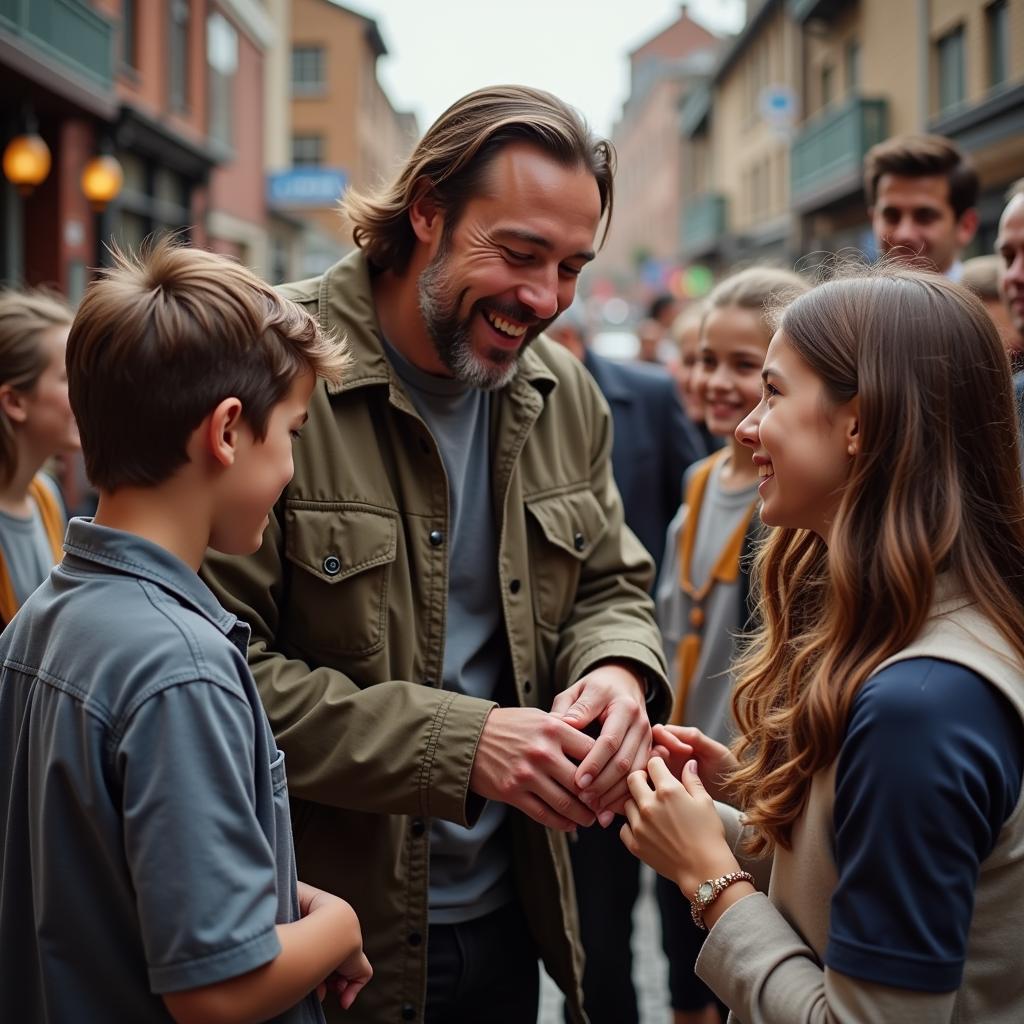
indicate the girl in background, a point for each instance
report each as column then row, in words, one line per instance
column 35, row 424
column 703, row 592
column 881, row 701
column 685, row 333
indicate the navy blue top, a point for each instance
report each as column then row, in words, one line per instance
column 147, row 847
column 928, row 772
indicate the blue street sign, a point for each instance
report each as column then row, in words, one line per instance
column 306, row 186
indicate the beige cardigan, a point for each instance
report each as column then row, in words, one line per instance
column 764, row 956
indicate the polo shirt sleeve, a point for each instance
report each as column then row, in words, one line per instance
column 929, row 770
column 202, row 868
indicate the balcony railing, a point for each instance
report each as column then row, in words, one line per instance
column 67, row 31
column 704, row 223
column 828, row 154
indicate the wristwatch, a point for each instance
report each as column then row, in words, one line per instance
column 709, row 891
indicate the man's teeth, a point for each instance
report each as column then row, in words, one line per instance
column 512, row 330
column 765, row 471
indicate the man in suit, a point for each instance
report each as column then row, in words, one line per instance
column 654, row 443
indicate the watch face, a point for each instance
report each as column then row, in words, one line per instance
column 705, row 892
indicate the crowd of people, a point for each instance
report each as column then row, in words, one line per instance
column 408, row 626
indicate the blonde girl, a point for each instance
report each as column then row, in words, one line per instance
column 35, row 424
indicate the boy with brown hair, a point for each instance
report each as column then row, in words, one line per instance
column 147, row 866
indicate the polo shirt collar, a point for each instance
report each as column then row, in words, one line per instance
column 131, row 555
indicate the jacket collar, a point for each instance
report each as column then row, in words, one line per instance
column 131, row 555
column 345, row 303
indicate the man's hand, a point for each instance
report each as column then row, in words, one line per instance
column 527, row 758
column 614, row 696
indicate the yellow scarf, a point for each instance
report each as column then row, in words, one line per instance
column 726, row 570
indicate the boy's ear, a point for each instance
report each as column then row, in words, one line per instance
column 12, row 403
column 222, row 431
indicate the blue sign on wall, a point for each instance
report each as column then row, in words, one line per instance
column 306, row 186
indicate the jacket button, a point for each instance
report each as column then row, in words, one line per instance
column 415, row 938
column 527, row 686
column 436, row 538
column 408, row 1012
column 514, row 586
column 578, row 541
column 332, row 565
column 418, row 827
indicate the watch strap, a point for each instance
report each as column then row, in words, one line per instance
column 709, row 890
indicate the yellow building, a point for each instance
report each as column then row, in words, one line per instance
column 344, row 129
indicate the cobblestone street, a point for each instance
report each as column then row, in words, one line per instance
column 650, row 970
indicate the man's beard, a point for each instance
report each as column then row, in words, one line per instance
column 452, row 336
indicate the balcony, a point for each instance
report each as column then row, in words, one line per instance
column 704, row 224
column 68, row 32
column 803, row 11
column 827, row 155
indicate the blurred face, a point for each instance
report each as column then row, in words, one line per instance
column 48, row 423
column 728, row 374
column 913, row 219
column 1010, row 247
column 801, row 443
column 686, row 372
column 510, row 264
column 259, row 473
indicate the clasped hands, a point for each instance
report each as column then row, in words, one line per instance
column 544, row 764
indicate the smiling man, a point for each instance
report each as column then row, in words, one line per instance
column 447, row 596
column 921, row 193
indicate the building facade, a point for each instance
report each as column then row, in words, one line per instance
column 174, row 90
column 776, row 141
column 344, row 130
column 664, row 70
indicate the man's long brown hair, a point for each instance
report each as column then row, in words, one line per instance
column 934, row 489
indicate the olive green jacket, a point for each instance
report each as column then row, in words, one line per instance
column 346, row 599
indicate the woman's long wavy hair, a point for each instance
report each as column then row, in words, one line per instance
column 935, row 488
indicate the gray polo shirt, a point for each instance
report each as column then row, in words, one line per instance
column 147, row 846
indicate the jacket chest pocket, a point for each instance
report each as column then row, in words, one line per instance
column 569, row 526
column 342, row 557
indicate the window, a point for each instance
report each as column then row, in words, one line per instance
column 826, row 84
column 129, row 22
column 177, row 55
column 997, row 33
column 307, row 150
column 952, row 85
column 307, row 70
column 852, row 66
column 222, row 58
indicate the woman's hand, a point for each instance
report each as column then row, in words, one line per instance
column 677, row 744
column 675, row 828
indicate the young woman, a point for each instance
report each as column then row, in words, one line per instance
column 881, row 704
column 35, row 424
column 685, row 333
column 703, row 590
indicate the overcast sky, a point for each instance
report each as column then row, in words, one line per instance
column 438, row 50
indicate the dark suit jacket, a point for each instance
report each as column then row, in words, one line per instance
column 654, row 444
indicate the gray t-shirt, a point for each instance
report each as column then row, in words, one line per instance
column 469, row 867
column 26, row 548
column 147, row 845
column 708, row 701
